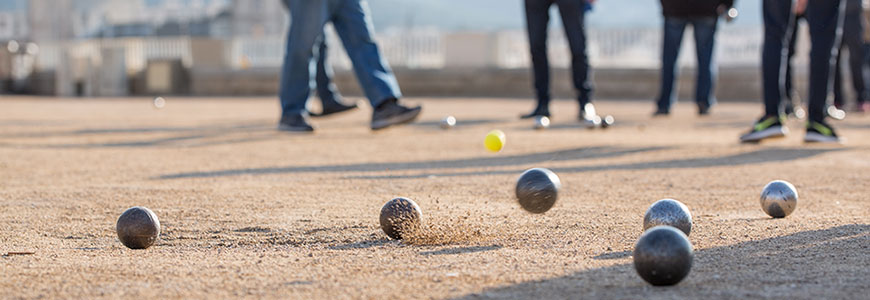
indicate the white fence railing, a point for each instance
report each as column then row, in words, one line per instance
column 425, row 49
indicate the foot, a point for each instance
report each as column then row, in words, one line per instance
column 661, row 113
column 338, row 107
column 703, row 110
column 587, row 113
column 767, row 127
column 295, row 123
column 538, row 112
column 392, row 113
column 863, row 107
column 819, row 132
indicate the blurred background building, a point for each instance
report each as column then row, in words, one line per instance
column 438, row 48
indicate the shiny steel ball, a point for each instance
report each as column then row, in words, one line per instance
column 538, row 189
column 663, row 255
column 593, row 122
column 138, row 228
column 542, row 122
column 607, row 121
column 448, row 122
column 779, row 198
column 668, row 212
column 398, row 216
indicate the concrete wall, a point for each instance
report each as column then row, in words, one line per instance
column 734, row 84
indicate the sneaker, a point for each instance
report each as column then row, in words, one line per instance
column 767, row 127
column 661, row 113
column 863, row 107
column 392, row 113
column 295, row 123
column 538, row 112
column 819, row 132
column 703, row 111
column 338, row 107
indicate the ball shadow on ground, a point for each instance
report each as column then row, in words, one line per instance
column 819, row 264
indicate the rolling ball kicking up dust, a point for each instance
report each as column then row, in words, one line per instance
column 399, row 215
column 779, row 198
column 138, row 228
column 668, row 212
column 538, row 189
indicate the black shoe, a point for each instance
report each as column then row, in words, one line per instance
column 338, row 107
column 392, row 113
column 765, row 128
column 703, row 110
column 661, row 113
column 819, row 132
column 538, row 112
column 295, row 123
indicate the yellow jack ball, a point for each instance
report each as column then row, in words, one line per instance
column 494, row 140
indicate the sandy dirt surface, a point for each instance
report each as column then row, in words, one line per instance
column 249, row 212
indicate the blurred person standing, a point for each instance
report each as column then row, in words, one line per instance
column 825, row 20
column 573, row 20
column 327, row 91
column 352, row 22
column 703, row 15
column 853, row 41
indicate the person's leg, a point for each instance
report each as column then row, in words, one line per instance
column 825, row 19
column 327, row 91
column 837, row 87
column 671, row 42
column 853, row 33
column 792, row 104
column 537, row 19
column 778, row 25
column 306, row 26
column 573, row 20
column 352, row 21
column 705, row 43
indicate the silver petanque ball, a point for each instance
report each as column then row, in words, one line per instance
column 448, row 122
column 138, row 228
column 779, row 198
column 593, row 122
column 542, row 122
column 668, row 212
column 538, row 189
column 663, row 255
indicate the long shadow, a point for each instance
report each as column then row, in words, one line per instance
column 459, row 122
column 461, row 250
column 818, row 264
column 754, row 157
column 212, row 128
column 562, row 155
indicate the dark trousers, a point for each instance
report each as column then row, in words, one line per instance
column 824, row 20
column 853, row 41
column 705, row 41
column 537, row 20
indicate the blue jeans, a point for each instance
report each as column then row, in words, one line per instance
column 823, row 19
column 705, row 40
column 352, row 21
column 327, row 91
column 537, row 21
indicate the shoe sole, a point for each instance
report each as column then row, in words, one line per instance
column 817, row 138
column 294, row 129
column 769, row 133
column 397, row 120
column 325, row 114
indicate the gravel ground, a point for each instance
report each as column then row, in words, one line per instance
column 249, row 212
